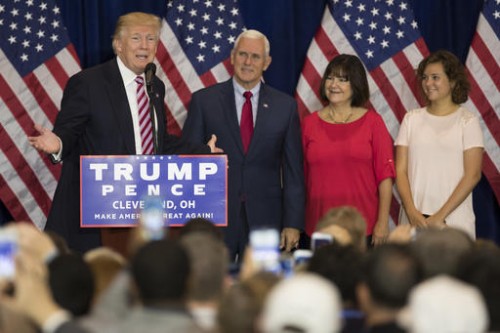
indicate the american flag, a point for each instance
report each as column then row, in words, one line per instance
column 195, row 43
column 385, row 36
column 483, row 64
column 36, row 60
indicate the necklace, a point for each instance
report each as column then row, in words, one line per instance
column 330, row 113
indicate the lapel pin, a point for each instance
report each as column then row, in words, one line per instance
column 265, row 105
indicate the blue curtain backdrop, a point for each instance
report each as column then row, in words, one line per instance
column 290, row 26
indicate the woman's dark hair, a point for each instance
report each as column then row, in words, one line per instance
column 350, row 67
column 453, row 69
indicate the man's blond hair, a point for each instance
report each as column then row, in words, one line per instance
column 135, row 19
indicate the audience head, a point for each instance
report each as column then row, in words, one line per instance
column 136, row 31
column 450, row 66
column 241, row 306
column 238, row 310
column 390, row 272
column 443, row 304
column 250, row 58
column 481, row 268
column 200, row 225
column 341, row 265
column 60, row 243
column 209, row 266
column 348, row 218
column 439, row 250
column 304, row 303
column 71, row 283
column 350, row 68
column 482, row 243
column 160, row 270
column 261, row 283
column 105, row 264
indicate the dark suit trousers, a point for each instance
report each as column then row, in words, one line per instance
column 236, row 245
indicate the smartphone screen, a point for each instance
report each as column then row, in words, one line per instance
column 302, row 257
column 319, row 239
column 152, row 218
column 265, row 249
column 8, row 250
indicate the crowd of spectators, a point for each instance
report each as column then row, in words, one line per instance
column 430, row 280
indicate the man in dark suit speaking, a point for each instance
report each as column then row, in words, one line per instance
column 105, row 111
column 266, row 184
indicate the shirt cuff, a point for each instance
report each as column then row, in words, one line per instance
column 56, row 158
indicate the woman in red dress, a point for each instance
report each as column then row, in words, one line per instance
column 348, row 152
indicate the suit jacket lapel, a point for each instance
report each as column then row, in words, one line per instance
column 263, row 114
column 119, row 105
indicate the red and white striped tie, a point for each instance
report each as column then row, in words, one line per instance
column 145, row 125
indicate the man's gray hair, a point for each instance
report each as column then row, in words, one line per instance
column 254, row 34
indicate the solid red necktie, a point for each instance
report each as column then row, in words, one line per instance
column 246, row 123
column 145, row 125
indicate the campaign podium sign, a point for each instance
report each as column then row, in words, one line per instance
column 113, row 189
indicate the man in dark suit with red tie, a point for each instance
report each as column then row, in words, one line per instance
column 101, row 115
column 259, row 129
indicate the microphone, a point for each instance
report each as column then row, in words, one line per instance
column 150, row 72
